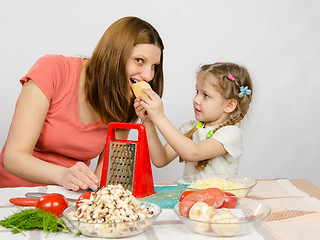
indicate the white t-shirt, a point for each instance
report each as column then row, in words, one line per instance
column 231, row 139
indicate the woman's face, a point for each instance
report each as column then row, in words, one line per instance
column 141, row 64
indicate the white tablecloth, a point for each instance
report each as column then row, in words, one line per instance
column 292, row 210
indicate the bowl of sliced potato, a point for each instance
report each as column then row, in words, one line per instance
column 204, row 219
column 235, row 184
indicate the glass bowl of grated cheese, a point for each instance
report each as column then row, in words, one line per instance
column 238, row 185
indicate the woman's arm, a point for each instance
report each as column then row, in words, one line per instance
column 30, row 113
column 183, row 146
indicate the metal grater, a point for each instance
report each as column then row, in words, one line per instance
column 127, row 162
column 121, row 164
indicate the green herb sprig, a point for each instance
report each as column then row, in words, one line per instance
column 30, row 219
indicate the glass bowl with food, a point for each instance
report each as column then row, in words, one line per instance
column 112, row 212
column 202, row 218
column 235, row 184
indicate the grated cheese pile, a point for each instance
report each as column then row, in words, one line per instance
column 221, row 183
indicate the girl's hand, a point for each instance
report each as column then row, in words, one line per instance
column 153, row 105
column 140, row 111
column 79, row 176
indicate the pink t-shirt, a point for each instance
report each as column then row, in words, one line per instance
column 64, row 139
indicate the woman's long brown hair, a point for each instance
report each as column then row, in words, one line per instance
column 106, row 86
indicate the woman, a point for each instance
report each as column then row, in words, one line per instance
column 61, row 117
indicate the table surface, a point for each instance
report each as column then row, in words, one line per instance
column 307, row 187
column 295, row 205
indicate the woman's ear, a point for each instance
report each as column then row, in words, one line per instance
column 231, row 106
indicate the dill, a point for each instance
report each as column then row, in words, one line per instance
column 30, row 219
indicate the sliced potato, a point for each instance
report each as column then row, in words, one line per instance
column 226, row 217
column 201, row 211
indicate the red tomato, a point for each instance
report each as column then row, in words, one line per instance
column 230, row 201
column 184, row 194
column 52, row 202
column 85, row 195
column 212, row 196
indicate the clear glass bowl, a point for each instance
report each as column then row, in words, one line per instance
column 248, row 183
column 115, row 230
column 249, row 211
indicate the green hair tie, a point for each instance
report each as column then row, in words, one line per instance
column 200, row 125
column 210, row 134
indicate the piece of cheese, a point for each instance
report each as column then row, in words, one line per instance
column 137, row 88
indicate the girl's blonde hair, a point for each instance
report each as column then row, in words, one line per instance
column 106, row 83
column 229, row 87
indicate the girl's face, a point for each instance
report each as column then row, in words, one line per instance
column 209, row 105
column 141, row 64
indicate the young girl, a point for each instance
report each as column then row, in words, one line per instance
column 212, row 143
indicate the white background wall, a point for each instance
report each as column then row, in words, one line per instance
column 277, row 40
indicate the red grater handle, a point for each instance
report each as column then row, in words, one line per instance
column 111, row 136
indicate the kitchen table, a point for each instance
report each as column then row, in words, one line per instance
column 295, row 205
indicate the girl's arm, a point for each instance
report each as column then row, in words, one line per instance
column 160, row 155
column 30, row 113
column 182, row 145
